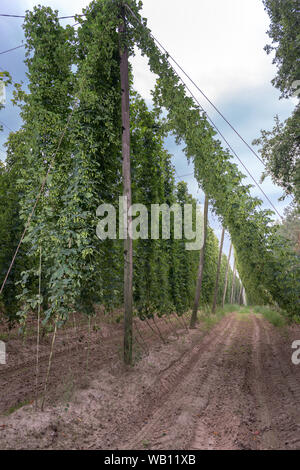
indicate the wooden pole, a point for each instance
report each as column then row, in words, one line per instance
column 201, row 269
column 218, row 272
column 241, row 295
column 128, row 256
column 232, row 287
column 226, row 276
column 49, row 364
column 38, row 333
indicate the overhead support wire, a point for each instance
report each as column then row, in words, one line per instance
column 11, row 16
column 23, row 16
column 198, row 88
column 201, row 107
column 13, row 49
column 183, row 176
column 212, row 104
column 7, row 127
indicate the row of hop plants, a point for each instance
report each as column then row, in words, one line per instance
column 62, row 266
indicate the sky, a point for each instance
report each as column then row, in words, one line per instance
column 219, row 43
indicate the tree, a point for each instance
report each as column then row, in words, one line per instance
column 284, row 32
column 78, row 70
column 280, row 150
column 290, row 228
column 280, row 147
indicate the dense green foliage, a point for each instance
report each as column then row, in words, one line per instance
column 280, row 150
column 72, row 121
column 284, row 32
column 266, row 263
column 290, row 228
column 280, row 147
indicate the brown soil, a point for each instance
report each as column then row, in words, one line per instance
column 233, row 387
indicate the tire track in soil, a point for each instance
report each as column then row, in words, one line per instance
column 237, row 389
column 281, row 383
column 257, row 381
column 178, row 396
column 228, row 421
column 264, row 385
column 20, row 379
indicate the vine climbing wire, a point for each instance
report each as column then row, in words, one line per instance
column 12, row 49
column 183, row 176
column 208, row 117
column 203, row 94
column 233, row 151
column 39, row 195
column 7, row 127
column 23, row 45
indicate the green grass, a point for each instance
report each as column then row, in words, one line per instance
column 4, row 337
column 208, row 320
column 231, row 308
column 14, row 408
column 244, row 309
column 296, row 320
column 271, row 315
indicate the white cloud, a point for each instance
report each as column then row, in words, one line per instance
column 220, row 44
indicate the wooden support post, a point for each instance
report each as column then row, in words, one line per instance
column 226, row 276
column 218, row 273
column 232, row 287
column 241, row 295
column 201, row 269
column 128, row 256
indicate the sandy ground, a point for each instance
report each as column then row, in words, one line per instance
column 233, row 387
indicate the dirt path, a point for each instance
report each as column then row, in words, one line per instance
column 233, row 387
column 242, row 392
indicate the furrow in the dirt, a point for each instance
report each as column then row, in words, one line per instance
column 169, row 379
column 79, row 337
column 199, row 389
column 268, row 438
column 104, row 351
column 22, row 381
column 281, row 390
column 214, row 427
column 175, row 387
column 58, row 351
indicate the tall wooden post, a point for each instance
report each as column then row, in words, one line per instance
column 218, row 272
column 201, row 268
column 241, row 295
column 128, row 263
column 226, row 276
column 233, row 283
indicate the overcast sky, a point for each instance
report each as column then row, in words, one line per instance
column 219, row 43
